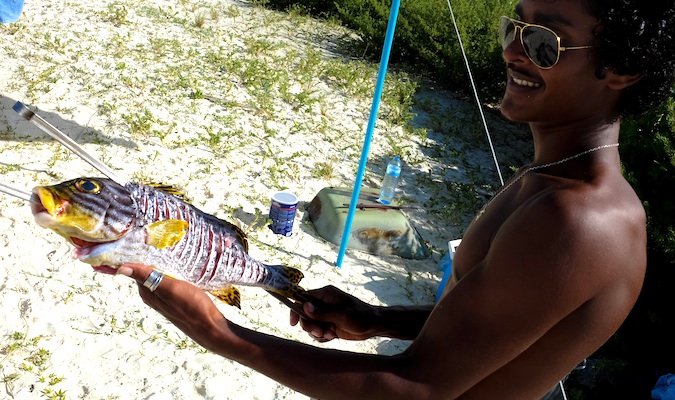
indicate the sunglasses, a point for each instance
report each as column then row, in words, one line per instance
column 541, row 44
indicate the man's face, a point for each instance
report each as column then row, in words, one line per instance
column 566, row 92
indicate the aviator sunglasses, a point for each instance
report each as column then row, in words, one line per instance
column 541, row 44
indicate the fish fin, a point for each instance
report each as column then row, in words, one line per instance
column 229, row 295
column 299, row 294
column 294, row 275
column 172, row 190
column 166, row 233
column 241, row 235
column 293, row 305
column 292, row 291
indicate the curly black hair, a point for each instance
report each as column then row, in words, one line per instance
column 637, row 37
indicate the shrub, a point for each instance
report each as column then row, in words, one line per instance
column 425, row 36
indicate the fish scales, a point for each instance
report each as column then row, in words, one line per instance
column 233, row 263
column 112, row 224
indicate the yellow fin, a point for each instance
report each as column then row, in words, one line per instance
column 166, row 233
column 294, row 275
column 168, row 189
column 296, row 293
column 229, row 295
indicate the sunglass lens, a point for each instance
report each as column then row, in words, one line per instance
column 541, row 46
column 506, row 32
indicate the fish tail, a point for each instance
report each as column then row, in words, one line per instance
column 294, row 292
column 294, row 275
column 293, row 289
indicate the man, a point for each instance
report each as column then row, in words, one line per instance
column 545, row 274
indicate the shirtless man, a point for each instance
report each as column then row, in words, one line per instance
column 544, row 275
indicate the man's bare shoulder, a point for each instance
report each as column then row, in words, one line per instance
column 557, row 223
column 595, row 225
column 587, row 210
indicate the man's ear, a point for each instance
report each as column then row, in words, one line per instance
column 620, row 82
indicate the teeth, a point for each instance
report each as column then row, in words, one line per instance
column 523, row 82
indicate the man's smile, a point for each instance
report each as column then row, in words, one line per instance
column 523, row 82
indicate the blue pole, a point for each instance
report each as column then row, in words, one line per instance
column 389, row 38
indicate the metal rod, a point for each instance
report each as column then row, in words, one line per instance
column 66, row 141
column 382, row 207
column 12, row 191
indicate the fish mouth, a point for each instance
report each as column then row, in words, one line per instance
column 82, row 244
column 42, row 201
column 84, row 249
column 36, row 205
column 46, row 206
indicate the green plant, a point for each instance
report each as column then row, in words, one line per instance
column 23, row 355
column 425, row 36
column 200, row 20
column 116, row 14
column 323, row 170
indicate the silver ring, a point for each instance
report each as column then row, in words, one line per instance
column 153, row 280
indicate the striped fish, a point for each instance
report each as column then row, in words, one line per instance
column 111, row 224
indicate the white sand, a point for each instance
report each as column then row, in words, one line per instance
column 90, row 70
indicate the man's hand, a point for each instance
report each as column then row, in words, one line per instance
column 182, row 303
column 336, row 314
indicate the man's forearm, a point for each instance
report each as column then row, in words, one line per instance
column 323, row 373
column 400, row 322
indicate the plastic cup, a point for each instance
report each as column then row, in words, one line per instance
column 282, row 212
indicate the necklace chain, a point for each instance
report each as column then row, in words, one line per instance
column 536, row 167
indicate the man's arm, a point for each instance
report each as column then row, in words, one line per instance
column 336, row 314
column 317, row 372
column 461, row 344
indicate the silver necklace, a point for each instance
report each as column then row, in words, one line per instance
column 536, row 167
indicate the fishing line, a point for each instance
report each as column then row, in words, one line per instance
column 475, row 93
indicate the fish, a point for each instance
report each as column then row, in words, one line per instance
column 110, row 224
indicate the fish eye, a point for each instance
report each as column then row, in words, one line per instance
column 88, row 186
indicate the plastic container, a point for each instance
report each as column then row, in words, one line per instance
column 445, row 265
column 447, row 273
column 282, row 212
column 390, row 181
column 446, row 262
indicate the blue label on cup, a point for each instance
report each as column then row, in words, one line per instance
column 282, row 213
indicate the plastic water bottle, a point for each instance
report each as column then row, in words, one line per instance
column 391, row 178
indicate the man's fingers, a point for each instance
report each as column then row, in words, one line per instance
column 295, row 318
column 139, row 272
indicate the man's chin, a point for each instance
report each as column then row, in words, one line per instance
column 505, row 108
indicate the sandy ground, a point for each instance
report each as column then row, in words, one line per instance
column 148, row 87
